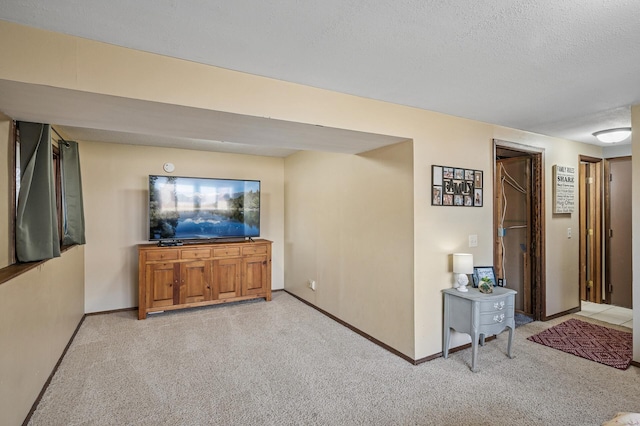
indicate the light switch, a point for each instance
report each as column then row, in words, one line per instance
column 568, row 232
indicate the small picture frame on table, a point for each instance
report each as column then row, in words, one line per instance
column 480, row 272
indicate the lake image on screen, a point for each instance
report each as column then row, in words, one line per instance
column 199, row 208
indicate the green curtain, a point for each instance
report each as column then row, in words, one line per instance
column 72, row 205
column 36, row 216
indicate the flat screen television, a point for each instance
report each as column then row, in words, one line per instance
column 191, row 208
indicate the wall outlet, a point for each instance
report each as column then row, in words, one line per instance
column 312, row 285
column 473, row 240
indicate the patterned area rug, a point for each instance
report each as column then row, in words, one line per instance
column 597, row 343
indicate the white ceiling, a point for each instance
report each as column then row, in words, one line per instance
column 561, row 68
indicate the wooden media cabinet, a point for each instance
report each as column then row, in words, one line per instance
column 178, row 277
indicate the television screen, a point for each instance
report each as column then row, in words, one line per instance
column 186, row 208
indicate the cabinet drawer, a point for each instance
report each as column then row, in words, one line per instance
column 226, row 251
column 254, row 250
column 162, row 255
column 496, row 317
column 196, row 254
column 497, row 305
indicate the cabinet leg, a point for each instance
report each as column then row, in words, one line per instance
column 474, row 351
column 445, row 343
column 510, row 342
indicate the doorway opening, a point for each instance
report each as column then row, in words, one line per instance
column 519, row 256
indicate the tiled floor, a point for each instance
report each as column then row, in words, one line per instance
column 607, row 313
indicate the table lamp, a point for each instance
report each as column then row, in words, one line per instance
column 462, row 265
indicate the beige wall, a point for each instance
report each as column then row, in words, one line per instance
column 5, row 176
column 349, row 228
column 635, row 220
column 438, row 139
column 562, row 253
column 39, row 311
column 115, row 186
column 441, row 231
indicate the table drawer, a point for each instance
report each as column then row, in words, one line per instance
column 496, row 305
column 163, row 255
column 254, row 250
column 196, row 254
column 226, row 251
column 496, row 317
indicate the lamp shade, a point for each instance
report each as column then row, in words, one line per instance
column 613, row 135
column 462, row 263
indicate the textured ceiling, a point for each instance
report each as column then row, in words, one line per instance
column 561, row 68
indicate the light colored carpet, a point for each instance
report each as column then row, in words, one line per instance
column 284, row 363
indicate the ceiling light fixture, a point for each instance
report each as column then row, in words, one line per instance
column 613, row 135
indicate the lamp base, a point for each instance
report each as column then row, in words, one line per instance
column 462, row 280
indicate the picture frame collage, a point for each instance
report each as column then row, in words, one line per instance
column 456, row 187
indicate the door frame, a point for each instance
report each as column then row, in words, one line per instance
column 596, row 210
column 537, row 243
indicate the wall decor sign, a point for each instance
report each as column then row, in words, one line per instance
column 455, row 186
column 564, row 189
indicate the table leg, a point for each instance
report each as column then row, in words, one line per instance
column 445, row 344
column 510, row 342
column 446, row 329
column 447, row 335
column 474, row 350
